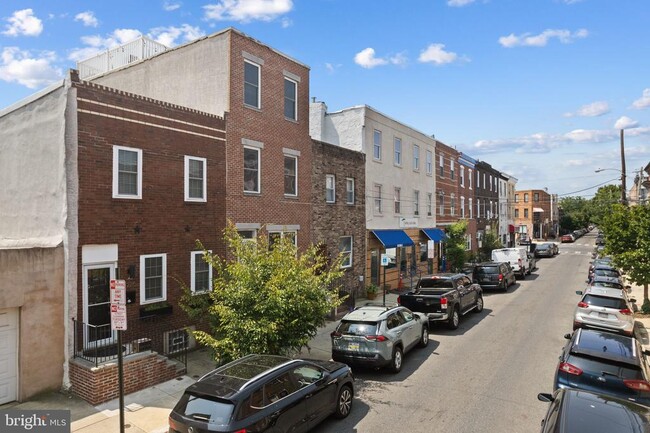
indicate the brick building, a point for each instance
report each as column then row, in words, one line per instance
column 467, row 167
column 534, row 214
column 487, row 200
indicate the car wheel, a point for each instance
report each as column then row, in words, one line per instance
column 344, row 402
column 479, row 305
column 424, row 338
column 523, row 274
column 454, row 319
column 398, row 358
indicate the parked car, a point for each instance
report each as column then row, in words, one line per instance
column 602, row 271
column 376, row 336
column 444, row 298
column 265, row 393
column 606, row 363
column 493, row 275
column 609, row 282
column 567, row 238
column 545, row 250
column 604, row 308
column 578, row 411
column 517, row 257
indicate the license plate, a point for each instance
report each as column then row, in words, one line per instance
column 603, row 315
column 353, row 346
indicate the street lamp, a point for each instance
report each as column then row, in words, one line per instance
column 623, row 198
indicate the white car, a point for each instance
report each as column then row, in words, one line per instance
column 606, row 309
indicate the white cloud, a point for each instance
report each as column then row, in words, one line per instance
column 171, row 6
column 594, row 109
column 625, row 122
column 23, row 22
column 643, row 101
column 366, row 59
column 96, row 43
column 88, row 18
column 589, row 136
column 436, row 54
column 459, row 3
column 32, row 72
column 540, row 40
column 286, row 22
column 247, row 10
column 168, row 36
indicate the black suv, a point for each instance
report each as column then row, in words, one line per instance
column 494, row 275
column 264, row 393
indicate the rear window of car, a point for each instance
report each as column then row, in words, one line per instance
column 486, row 270
column 204, row 408
column 357, row 328
column 592, row 364
column 436, row 283
column 606, row 273
column 607, row 284
column 603, row 301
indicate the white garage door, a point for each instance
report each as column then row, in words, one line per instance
column 8, row 355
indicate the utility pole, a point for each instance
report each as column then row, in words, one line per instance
column 623, row 187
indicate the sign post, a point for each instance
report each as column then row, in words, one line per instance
column 384, row 264
column 118, row 323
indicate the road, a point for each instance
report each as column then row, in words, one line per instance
column 485, row 376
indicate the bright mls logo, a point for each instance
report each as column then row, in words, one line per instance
column 41, row 421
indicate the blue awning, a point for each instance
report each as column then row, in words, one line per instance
column 393, row 238
column 435, row 235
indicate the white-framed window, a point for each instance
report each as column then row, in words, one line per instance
column 462, row 176
column 376, row 145
column 248, row 235
column 416, row 202
column 471, row 209
column 252, row 74
column 469, row 178
column 452, row 169
column 452, row 205
column 397, row 159
column 195, row 179
column 478, row 208
column 378, row 191
column 330, row 188
column 490, row 182
column 478, row 179
column 462, row 207
column 429, row 162
column 274, row 236
column 127, row 172
column 349, row 190
column 290, row 99
column 468, row 242
column 398, row 200
column 290, row 175
column 441, row 166
column 252, row 169
column 201, row 279
column 484, row 184
column 429, row 203
column 345, row 249
column 416, row 157
column 153, row 278
column 441, row 203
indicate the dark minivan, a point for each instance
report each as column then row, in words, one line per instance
column 494, row 275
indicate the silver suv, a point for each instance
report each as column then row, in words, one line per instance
column 376, row 335
column 604, row 308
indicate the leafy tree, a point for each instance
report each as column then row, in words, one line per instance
column 575, row 213
column 489, row 242
column 455, row 245
column 627, row 230
column 601, row 204
column 267, row 299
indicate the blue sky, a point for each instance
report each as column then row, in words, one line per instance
column 537, row 88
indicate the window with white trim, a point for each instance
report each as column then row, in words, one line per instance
column 452, row 205
column 252, row 84
column 416, row 157
column 441, row 203
column 441, row 166
column 462, row 176
column 429, row 162
column 429, row 203
column 471, row 209
column 378, row 199
column 490, row 182
column 290, row 99
column 195, row 179
column 290, row 175
column 251, row 169
column 345, row 249
column 153, row 278
column 349, row 190
column 127, row 172
column 416, row 202
column 478, row 208
column 330, row 188
column 398, row 200
column 478, row 179
column 469, row 178
column 462, row 207
column 452, row 170
column 274, row 236
column 201, row 278
column 248, row 235
column 397, row 159
column 376, row 145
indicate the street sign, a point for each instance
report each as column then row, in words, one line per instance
column 384, row 259
column 118, row 317
column 118, row 292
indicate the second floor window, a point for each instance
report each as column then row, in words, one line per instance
column 290, row 99
column 345, row 249
column 378, row 199
column 441, row 203
column 127, row 172
column 290, row 175
column 349, row 190
column 251, row 169
column 429, row 162
column 429, row 203
column 536, row 197
column 201, row 273
column 452, row 205
column 462, row 176
column 398, row 151
column 471, row 209
column 462, row 207
column 516, row 198
column 525, row 213
column 330, row 188
column 516, row 213
column 195, row 179
column 416, row 203
column 153, row 278
column 251, row 84
column 398, row 200
column 376, row 145
column 525, row 197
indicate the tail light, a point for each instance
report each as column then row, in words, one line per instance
column 583, row 305
column 335, row 334
column 571, row 369
column 443, row 303
column 399, row 301
column 378, row 338
column 626, row 311
column 637, row 385
column 500, row 277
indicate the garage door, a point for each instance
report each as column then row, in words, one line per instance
column 8, row 355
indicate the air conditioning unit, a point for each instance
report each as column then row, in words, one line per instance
column 177, row 340
column 141, row 344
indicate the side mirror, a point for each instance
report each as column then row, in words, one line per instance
column 632, row 300
column 578, row 292
column 628, row 287
column 567, row 336
column 547, row 398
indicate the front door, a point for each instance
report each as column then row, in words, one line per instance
column 97, row 307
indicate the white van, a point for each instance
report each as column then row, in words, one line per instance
column 517, row 257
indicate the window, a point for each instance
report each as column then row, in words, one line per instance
column 525, row 197
column 345, row 249
column 398, row 200
column 416, row 203
column 276, row 236
column 471, row 209
column 201, row 273
column 429, row 162
column 251, row 84
column 441, row 203
column 484, row 183
column 398, row 151
column 536, row 197
column 468, row 242
column 251, row 169
column 516, row 213
column 478, row 208
column 376, row 148
column 195, row 179
column 349, row 190
column 452, row 205
column 330, row 188
column 469, row 178
column 378, row 199
column 490, row 182
column 416, row 157
column 423, row 252
column 290, row 99
column 441, row 166
column 429, row 203
column 516, row 198
column 462, row 176
column 452, row 170
column 462, row 207
column 127, row 172
column 290, row 175
column 525, row 213
column 248, row 235
column 153, row 278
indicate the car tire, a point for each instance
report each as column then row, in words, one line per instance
column 424, row 337
column 344, row 402
column 397, row 360
column 479, row 305
column 454, row 319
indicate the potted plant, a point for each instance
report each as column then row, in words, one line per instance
column 371, row 291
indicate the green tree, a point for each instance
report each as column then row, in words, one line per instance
column 489, row 242
column 266, row 299
column 455, row 245
column 575, row 213
column 627, row 230
column 601, row 204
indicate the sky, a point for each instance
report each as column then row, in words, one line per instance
column 540, row 89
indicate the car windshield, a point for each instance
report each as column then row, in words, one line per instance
column 604, row 301
column 435, row 283
column 205, row 408
column 607, row 284
column 357, row 328
column 480, row 270
column 606, row 272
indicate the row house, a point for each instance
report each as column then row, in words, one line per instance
column 400, row 220
column 487, row 200
column 534, row 214
column 507, row 229
column 467, row 167
column 125, row 187
column 449, row 208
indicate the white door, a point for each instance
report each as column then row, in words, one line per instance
column 8, row 355
column 97, row 311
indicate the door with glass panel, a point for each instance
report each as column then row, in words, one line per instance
column 97, row 304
